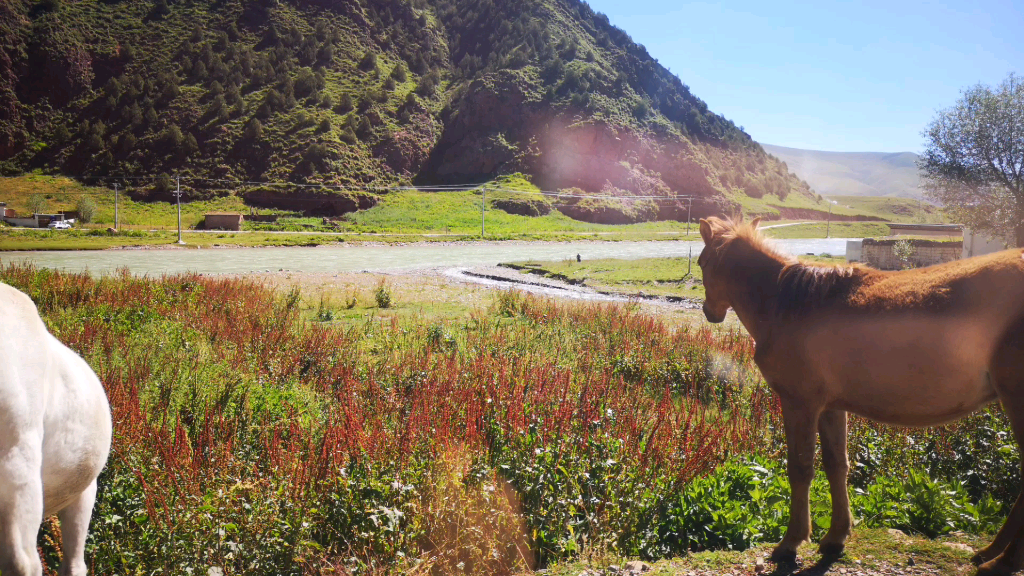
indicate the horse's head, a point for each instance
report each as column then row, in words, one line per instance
column 714, row 231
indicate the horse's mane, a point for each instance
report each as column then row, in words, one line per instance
column 801, row 287
column 738, row 230
column 804, row 287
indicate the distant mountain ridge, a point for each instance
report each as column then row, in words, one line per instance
column 853, row 173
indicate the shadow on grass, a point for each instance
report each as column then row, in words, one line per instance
column 819, row 568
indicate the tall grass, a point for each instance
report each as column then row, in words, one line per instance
column 252, row 439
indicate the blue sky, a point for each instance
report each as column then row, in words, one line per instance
column 846, row 76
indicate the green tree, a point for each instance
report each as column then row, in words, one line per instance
column 37, row 204
column 904, row 250
column 345, row 104
column 86, row 209
column 399, row 73
column 369, row 61
column 253, row 130
column 974, row 160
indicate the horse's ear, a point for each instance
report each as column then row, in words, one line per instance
column 755, row 222
column 705, row 231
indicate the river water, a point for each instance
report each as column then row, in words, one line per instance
column 375, row 258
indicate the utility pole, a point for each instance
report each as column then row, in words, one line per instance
column 828, row 226
column 116, row 227
column 689, row 207
column 178, row 194
column 483, row 205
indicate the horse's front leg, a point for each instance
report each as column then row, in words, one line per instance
column 832, row 429
column 801, row 422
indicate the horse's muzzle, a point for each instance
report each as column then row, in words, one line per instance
column 712, row 316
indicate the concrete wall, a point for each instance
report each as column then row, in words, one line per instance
column 223, row 222
column 25, row 222
column 978, row 244
column 879, row 253
column 855, row 250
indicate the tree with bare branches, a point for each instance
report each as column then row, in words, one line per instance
column 974, row 161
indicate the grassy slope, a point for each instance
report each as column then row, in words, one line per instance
column 833, row 230
column 853, row 173
column 895, row 209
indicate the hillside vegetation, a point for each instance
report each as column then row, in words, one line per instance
column 853, row 173
column 364, row 94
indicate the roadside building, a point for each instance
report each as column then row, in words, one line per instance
column 979, row 244
column 929, row 244
column 222, row 221
column 34, row 221
column 944, row 231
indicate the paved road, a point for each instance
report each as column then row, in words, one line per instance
column 352, row 258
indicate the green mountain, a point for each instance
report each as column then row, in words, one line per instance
column 365, row 93
column 853, row 173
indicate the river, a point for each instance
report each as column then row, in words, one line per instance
column 372, row 258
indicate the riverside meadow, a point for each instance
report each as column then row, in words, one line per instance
column 258, row 432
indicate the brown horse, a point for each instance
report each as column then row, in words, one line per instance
column 914, row 348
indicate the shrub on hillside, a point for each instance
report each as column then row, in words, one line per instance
column 86, row 209
column 253, row 130
column 399, row 73
column 368, row 61
column 37, row 204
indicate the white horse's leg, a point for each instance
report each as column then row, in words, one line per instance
column 832, row 429
column 801, row 433
column 74, row 526
column 21, row 503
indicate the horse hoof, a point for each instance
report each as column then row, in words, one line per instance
column 831, row 549
column 983, row 555
column 994, row 568
column 783, row 556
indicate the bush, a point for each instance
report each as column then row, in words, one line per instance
column 383, row 295
column 86, row 209
column 345, row 105
column 368, row 61
column 253, row 130
column 428, row 84
column 37, row 204
column 307, row 83
column 399, row 73
column 904, row 251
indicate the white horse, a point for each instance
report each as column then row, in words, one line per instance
column 54, row 438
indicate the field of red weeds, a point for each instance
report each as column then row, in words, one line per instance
column 251, row 438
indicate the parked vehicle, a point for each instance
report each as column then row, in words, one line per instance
column 59, row 225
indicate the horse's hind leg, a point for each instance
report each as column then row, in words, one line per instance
column 801, row 432
column 21, row 505
column 832, row 429
column 74, row 526
column 1006, row 553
